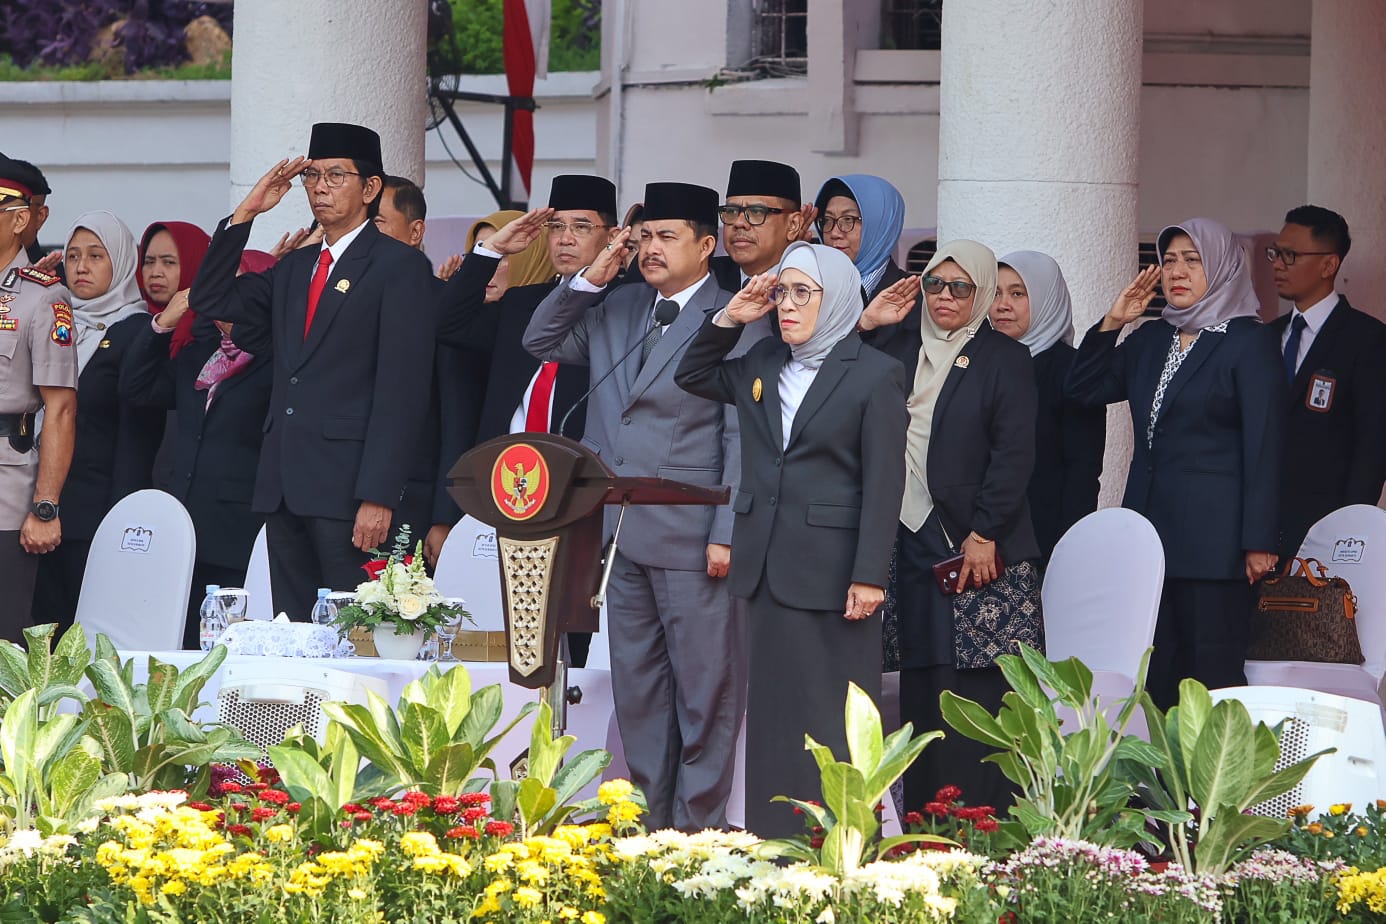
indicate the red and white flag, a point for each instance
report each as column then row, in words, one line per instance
column 525, row 43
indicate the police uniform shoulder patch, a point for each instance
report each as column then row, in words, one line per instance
column 39, row 276
column 61, row 334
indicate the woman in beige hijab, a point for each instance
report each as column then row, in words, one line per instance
column 969, row 455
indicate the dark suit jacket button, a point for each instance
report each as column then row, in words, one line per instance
column 778, row 460
column 619, row 461
column 289, row 411
column 625, row 421
column 772, row 502
column 293, row 380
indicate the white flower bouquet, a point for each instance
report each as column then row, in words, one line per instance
column 399, row 594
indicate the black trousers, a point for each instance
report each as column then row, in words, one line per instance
column 306, row 553
column 1201, row 632
column 953, row 760
column 18, row 571
column 205, row 573
column 59, row 584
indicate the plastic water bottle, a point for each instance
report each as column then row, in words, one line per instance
column 212, row 618
column 324, row 611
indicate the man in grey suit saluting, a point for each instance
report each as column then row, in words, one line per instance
column 678, row 651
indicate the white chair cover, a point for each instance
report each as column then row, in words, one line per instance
column 1351, row 543
column 260, row 603
column 1315, row 721
column 135, row 588
column 467, row 568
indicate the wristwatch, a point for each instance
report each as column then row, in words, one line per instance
column 45, row 510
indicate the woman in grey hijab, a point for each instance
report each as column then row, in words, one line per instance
column 1207, row 395
column 1033, row 306
column 822, row 419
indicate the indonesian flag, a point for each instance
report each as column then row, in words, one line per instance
column 526, row 47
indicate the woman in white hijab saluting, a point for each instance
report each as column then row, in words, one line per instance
column 971, row 450
column 116, row 441
column 1033, row 306
column 1207, row 395
column 822, row 420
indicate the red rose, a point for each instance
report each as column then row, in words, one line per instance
column 500, row 828
column 375, row 568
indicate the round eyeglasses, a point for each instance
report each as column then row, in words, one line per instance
column 799, row 294
column 336, row 179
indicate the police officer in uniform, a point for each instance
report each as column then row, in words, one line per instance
column 38, row 370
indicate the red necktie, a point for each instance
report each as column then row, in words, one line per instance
column 316, row 286
column 537, row 417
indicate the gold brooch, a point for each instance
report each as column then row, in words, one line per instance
column 756, row 389
column 104, row 345
column 961, row 362
column 343, row 285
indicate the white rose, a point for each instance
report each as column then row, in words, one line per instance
column 411, row 607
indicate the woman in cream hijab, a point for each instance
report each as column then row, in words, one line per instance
column 116, row 441
column 529, row 267
column 970, row 451
column 1033, row 306
column 822, row 420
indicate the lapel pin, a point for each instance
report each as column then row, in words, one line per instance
column 343, row 285
column 105, row 345
column 961, row 362
column 756, row 389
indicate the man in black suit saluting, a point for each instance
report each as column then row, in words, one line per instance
column 352, row 328
column 1335, row 361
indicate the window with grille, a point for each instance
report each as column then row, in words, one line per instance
column 1148, row 253
column 780, row 45
column 920, row 255
column 914, row 25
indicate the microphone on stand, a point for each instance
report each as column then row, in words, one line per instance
column 665, row 313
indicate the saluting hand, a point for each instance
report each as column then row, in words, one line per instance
column 862, row 600
column 270, row 189
column 891, row 304
column 520, row 233
column 448, row 267
column 753, row 301
column 175, row 309
column 288, row 243
column 49, row 262
column 611, row 259
column 1133, row 300
column 808, row 212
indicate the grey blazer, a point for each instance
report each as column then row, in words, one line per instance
column 639, row 421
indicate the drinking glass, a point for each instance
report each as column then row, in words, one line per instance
column 449, row 628
column 234, row 601
column 428, row 651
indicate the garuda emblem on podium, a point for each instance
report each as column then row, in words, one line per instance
column 520, row 481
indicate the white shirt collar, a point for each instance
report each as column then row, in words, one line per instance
column 343, row 242
column 1316, row 314
column 682, row 297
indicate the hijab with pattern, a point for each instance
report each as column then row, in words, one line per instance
column 530, row 266
column 191, row 242
column 93, row 316
column 840, row 309
column 1229, row 294
column 229, row 360
column 882, row 219
column 937, row 354
column 1051, row 307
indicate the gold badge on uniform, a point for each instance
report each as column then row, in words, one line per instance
column 961, row 362
column 9, row 324
column 756, row 389
column 343, row 285
column 104, row 345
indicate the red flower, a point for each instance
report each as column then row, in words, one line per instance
column 362, row 816
column 815, row 842
column 987, row 825
column 472, row 815
column 239, row 830
column 474, row 798
column 948, row 794
column 405, row 808
column 375, row 568
column 351, row 808
column 445, row 805
column 500, row 828
column 230, row 786
column 257, row 787
column 937, row 809
column 239, row 806
column 462, row 831
column 275, row 797
column 261, row 813
column 383, row 804
column 345, row 823
column 914, row 818
column 293, row 808
column 200, row 806
column 817, row 829
column 416, row 798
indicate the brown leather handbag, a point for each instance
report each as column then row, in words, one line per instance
column 1305, row 617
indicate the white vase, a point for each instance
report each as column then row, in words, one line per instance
column 397, row 647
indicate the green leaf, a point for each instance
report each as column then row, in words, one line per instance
column 1267, row 750
column 1233, row 834
column 303, row 777
column 346, row 762
column 452, row 697
column 1077, row 679
column 901, row 750
column 450, row 768
column 50, row 736
column 1222, row 758
column 72, row 777
column 161, row 686
column 71, row 655
column 504, row 795
column 573, row 776
column 187, row 690
column 17, row 734
column 359, row 724
column 972, row 720
column 1195, row 706
column 14, row 669
column 111, row 687
column 1023, row 680
column 60, row 691
column 484, row 751
column 1280, row 782
column 863, row 730
column 534, row 800
column 423, row 734
column 844, row 792
column 1046, row 673
column 112, row 730
column 477, row 719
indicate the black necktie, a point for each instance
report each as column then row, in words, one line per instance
column 1297, row 325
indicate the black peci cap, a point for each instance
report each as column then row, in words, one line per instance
column 342, row 139
column 764, row 178
column 681, row 200
column 580, row 192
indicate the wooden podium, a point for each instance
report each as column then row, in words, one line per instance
column 545, row 495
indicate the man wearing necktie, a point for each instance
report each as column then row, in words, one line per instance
column 678, row 643
column 353, row 337
column 1335, row 362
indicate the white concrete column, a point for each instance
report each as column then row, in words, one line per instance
column 1347, row 133
column 309, row 61
column 1039, row 129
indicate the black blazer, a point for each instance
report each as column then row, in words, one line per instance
column 116, row 440
column 1210, row 480
column 347, row 398
column 982, row 445
column 901, row 339
column 1334, row 456
column 1069, row 442
column 215, row 449
column 820, row 514
column 465, row 320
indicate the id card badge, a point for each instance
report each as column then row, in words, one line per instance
column 1320, row 394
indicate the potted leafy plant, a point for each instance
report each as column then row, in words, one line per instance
column 400, row 599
